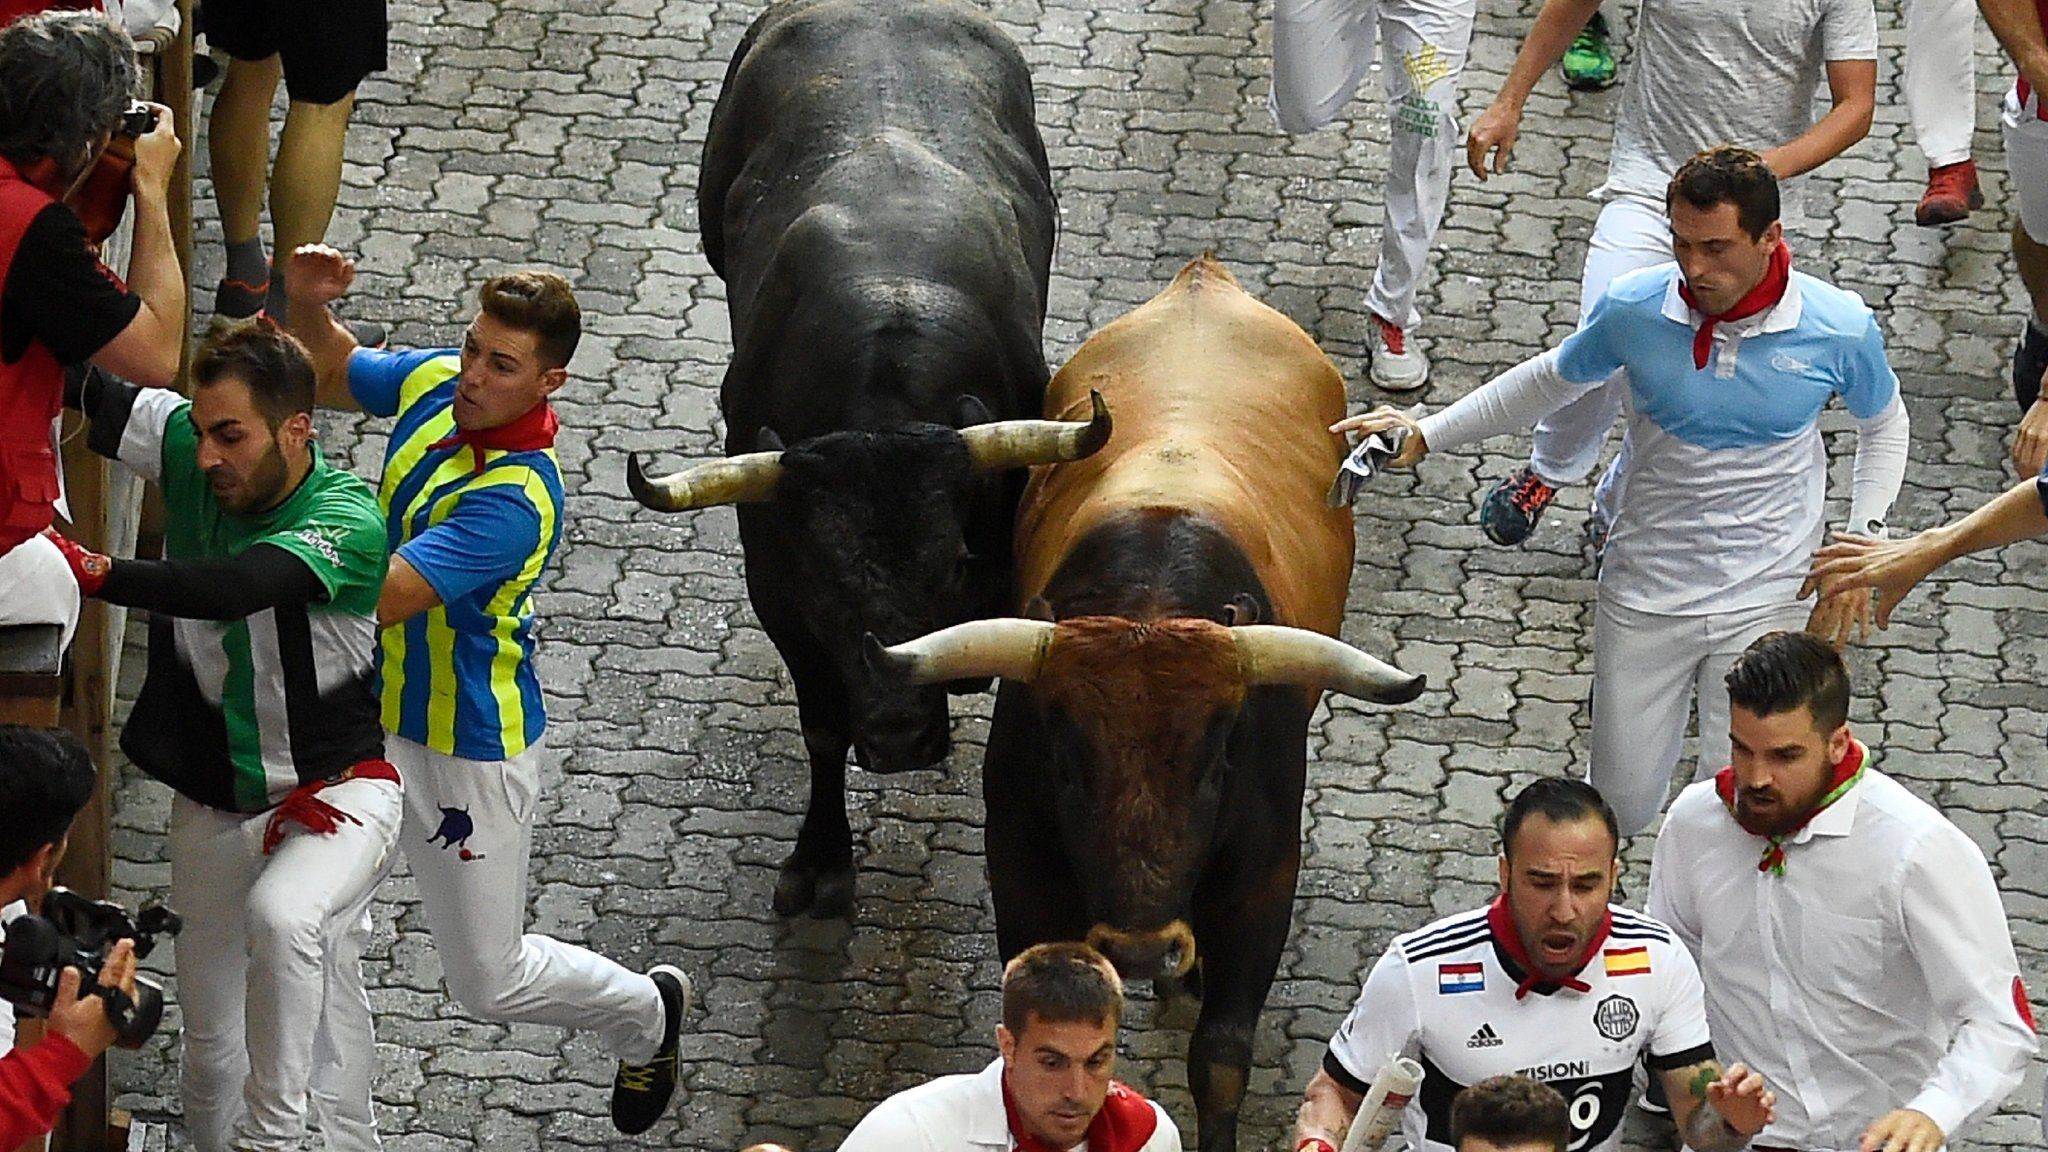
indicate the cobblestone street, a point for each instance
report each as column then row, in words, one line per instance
column 566, row 134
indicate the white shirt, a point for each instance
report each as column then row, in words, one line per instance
column 960, row 1114
column 1877, row 973
column 1445, row 996
column 1743, row 72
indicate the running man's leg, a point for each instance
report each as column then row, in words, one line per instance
column 215, row 859
column 345, row 1047
column 1322, row 50
column 1940, row 79
column 2026, row 158
column 1644, row 668
column 1423, row 45
column 468, row 829
column 310, row 897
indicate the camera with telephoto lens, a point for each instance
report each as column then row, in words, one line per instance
column 74, row 932
column 138, row 120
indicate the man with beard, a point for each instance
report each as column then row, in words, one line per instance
column 1550, row 981
column 1050, row 1090
column 257, row 707
column 65, row 80
column 1854, row 947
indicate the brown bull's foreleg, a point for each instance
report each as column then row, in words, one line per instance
column 1219, row 1062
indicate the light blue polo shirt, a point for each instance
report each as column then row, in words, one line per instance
column 1728, row 474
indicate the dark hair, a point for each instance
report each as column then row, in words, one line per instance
column 1060, row 982
column 1511, row 1110
column 540, row 303
column 1725, row 174
column 274, row 366
column 1559, row 800
column 65, row 78
column 45, row 780
column 1787, row 670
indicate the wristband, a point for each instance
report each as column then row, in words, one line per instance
column 89, row 568
column 1314, row 1144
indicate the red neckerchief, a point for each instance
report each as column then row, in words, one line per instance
column 1124, row 1123
column 1765, row 295
column 1845, row 776
column 1502, row 922
column 529, row 433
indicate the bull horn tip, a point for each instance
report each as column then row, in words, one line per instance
column 636, row 481
column 1100, row 424
column 875, row 655
column 1409, row 691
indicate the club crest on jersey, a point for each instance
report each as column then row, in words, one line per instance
column 1616, row 1018
column 1627, row 961
column 1454, row 978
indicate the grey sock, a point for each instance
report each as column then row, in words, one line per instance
column 247, row 263
column 273, row 302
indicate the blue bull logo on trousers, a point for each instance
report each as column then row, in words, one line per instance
column 455, row 830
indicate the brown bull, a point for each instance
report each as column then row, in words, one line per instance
column 1148, row 756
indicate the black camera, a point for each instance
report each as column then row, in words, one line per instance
column 74, row 932
column 139, row 120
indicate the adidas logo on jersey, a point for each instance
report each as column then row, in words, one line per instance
column 1484, row 1038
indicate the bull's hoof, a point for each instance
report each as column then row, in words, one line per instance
column 825, row 893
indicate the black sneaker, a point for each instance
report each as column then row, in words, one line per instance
column 1511, row 510
column 641, row 1092
column 2028, row 361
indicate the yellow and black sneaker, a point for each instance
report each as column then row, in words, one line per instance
column 641, row 1092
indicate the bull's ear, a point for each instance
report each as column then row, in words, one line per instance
column 767, row 441
column 1242, row 609
column 1039, row 609
column 971, row 411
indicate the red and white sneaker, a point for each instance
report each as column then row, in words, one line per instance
column 1397, row 366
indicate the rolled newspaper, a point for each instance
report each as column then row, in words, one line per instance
column 1391, row 1091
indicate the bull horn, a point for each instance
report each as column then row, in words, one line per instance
column 1009, row 647
column 1022, row 443
column 1274, row 654
column 744, row 479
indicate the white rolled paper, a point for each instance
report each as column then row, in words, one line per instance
column 1390, row 1093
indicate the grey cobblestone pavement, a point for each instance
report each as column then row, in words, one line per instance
column 566, row 133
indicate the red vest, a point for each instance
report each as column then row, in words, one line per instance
column 31, row 390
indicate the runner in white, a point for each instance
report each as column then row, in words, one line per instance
column 1853, row 942
column 1322, row 50
column 1730, row 357
column 1737, row 72
column 2018, row 26
column 1050, row 1090
column 1550, row 982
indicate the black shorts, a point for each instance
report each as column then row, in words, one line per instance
column 326, row 46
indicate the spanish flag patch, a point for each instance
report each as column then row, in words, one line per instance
column 1627, row 961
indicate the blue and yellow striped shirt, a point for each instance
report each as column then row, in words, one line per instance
column 459, row 678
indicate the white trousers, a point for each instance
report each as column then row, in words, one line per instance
column 1630, row 234
column 468, row 830
column 270, row 974
column 1940, row 77
column 2026, row 159
column 36, row 587
column 1322, row 50
column 1647, row 672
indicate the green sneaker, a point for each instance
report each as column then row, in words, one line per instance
column 1589, row 63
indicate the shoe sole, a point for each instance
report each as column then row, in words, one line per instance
column 1944, row 219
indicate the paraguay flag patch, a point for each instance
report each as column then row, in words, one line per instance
column 1627, row 961
column 1452, row 978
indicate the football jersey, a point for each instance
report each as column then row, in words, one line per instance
column 1446, row 996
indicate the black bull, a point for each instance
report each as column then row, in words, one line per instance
column 875, row 196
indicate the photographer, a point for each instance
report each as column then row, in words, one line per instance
column 66, row 78
column 45, row 779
